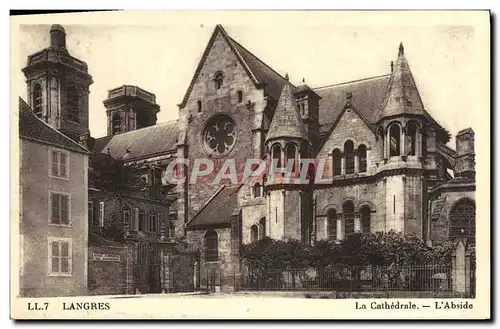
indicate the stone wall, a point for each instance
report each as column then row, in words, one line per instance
column 109, row 269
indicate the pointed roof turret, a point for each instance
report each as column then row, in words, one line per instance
column 401, row 96
column 286, row 121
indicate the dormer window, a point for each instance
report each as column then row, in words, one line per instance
column 219, row 80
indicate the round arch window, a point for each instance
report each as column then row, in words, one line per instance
column 219, row 135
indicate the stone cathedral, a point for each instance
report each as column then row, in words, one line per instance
column 388, row 166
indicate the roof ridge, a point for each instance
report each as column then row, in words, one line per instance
column 142, row 129
column 353, row 81
column 265, row 64
column 27, row 108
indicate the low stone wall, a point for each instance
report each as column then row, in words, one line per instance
column 108, row 270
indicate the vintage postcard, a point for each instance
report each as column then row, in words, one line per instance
column 250, row 165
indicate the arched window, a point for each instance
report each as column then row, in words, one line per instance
column 256, row 190
column 212, row 246
column 262, row 228
column 349, row 157
column 348, row 210
column 116, row 124
column 365, row 214
column 73, row 103
column 337, row 162
column 219, row 80
column 332, row 224
column 394, row 137
column 240, row 96
column 362, row 158
column 200, row 107
column 277, row 155
column 254, row 233
column 463, row 220
column 411, row 137
column 37, row 99
column 290, row 155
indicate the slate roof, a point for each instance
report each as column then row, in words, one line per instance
column 34, row 129
column 219, row 209
column 367, row 97
column 402, row 93
column 147, row 141
column 286, row 120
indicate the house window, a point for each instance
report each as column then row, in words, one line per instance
column 332, row 224
column 365, row 214
column 101, row 214
column 254, row 233
column 262, row 228
column 362, row 158
column 212, row 246
column 73, row 103
column 59, row 205
column 394, row 137
column 157, row 177
column 90, row 211
column 199, row 106
column 349, row 157
column 59, row 164
column 218, row 79
column 337, row 162
column 135, row 224
column 59, row 256
column 37, row 99
column 348, row 209
column 240, row 96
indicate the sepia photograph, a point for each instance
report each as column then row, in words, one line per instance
column 166, row 158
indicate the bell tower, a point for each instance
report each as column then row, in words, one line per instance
column 58, row 86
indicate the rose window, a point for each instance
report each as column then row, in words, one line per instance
column 220, row 135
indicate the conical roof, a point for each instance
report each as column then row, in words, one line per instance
column 401, row 95
column 286, row 120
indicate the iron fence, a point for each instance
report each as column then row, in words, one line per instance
column 350, row 279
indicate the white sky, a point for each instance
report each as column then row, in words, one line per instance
column 160, row 54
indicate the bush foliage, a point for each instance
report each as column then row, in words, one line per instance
column 380, row 249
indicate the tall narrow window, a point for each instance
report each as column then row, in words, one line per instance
column 256, row 190
column 254, row 233
column 362, row 158
column 277, row 155
column 199, row 106
column 394, row 138
column 337, row 162
column 365, row 214
column 117, row 123
column 463, row 220
column 348, row 210
column 219, row 80
column 91, row 213
column 332, row 224
column 73, row 102
column 240, row 96
column 59, row 209
column 350, row 157
column 142, row 220
column 411, row 138
column 212, row 246
column 171, row 229
column 290, row 155
column 135, row 224
column 59, row 164
column 262, row 228
column 126, row 218
column 37, row 99
column 101, row 214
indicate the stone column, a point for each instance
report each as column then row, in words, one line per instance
column 340, row 233
column 402, row 142
column 418, row 146
column 356, row 163
column 110, row 128
column 342, row 165
column 387, row 145
column 357, row 222
column 460, row 279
